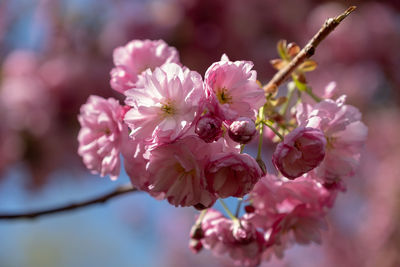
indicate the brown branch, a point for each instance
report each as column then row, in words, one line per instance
column 309, row 50
column 123, row 189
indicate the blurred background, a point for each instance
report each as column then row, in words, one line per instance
column 55, row 53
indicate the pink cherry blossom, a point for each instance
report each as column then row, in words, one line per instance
column 239, row 238
column 232, row 89
column 177, row 170
column 302, row 150
column 135, row 159
column 100, row 135
column 232, row 174
column 289, row 211
column 345, row 134
column 165, row 105
column 242, row 130
column 137, row 56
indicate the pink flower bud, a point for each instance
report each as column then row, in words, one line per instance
column 302, row 150
column 195, row 245
column 196, row 232
column 249, row 209
column 208, row 128
column 232, row 174
column 242, row 130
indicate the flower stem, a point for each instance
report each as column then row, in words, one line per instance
column 260, row 142
column 201, row 217
column 291, row 89
column 310, row 93
column 273, row 129
column 238, row 207
column 227, row 210
column 261, row 117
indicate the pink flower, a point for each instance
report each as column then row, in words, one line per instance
column 165, row 105
column 232, row 89
column 344, row 132
column 100, row 135
column 302, row 150
column 177, row 170
column 289, row 211
column 239, row 239
column 232, row 174
column 242, row 130
column 137, row 56
column 135, row 160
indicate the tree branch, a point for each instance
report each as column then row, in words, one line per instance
column 309, row 50
column 123, row 189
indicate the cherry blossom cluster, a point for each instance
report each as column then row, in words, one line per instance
column 182, row 137
column 179, row 136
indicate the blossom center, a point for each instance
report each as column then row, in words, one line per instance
column 168, row 108
column 184, row 173
column 297, row 144
column 223, row 96
column 329, row 142
column 107, row 131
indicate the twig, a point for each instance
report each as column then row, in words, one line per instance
column 123, row 189
column 309, row 50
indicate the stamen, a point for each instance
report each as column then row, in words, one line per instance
column 223, row 96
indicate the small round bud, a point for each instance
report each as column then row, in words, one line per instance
column 302, row 150
column 195, row 245
column 242, row 130
column 249, row 209
column 209, row 128
column 196, row 232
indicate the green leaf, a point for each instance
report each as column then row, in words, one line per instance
column 301, row 86
column 281, row 47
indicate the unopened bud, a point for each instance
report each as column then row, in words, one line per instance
column 196, row 232
column 242, row 130
column 249, row 209
column 209, row 128
column 195, row 245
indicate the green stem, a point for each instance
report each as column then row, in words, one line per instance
column 273, row 129
column 260, row 141
column 261, row 117
column 291, row 89
column 201, row 217
column 238, row 207
column 227, row 210
column 315, row 97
